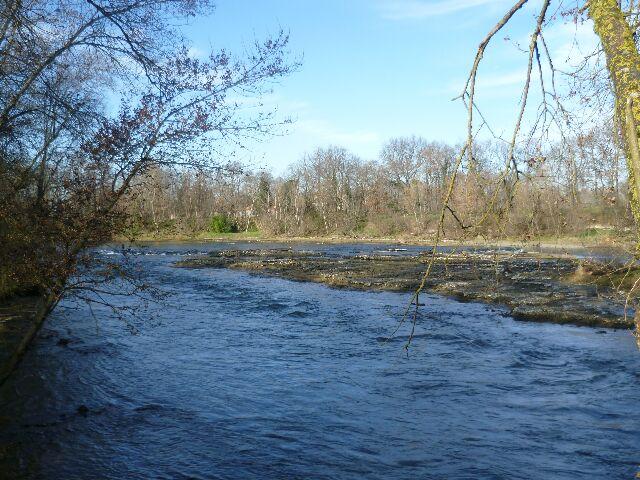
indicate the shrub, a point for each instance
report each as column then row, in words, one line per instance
column 589, row 233
column 222, row 224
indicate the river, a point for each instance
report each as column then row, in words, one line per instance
column 239, row 376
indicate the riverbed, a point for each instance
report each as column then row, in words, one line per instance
column 242, row 376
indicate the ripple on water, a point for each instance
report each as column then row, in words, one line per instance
column 248, row 377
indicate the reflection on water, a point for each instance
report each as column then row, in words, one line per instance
column 242, row 377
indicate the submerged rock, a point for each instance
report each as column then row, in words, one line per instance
column 534, row 287
column 83, row 410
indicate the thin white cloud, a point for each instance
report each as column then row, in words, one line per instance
column 270, row 100
column 325, row 133
column 503, row 80
column 416, row 9
column 570, row 43
column 195, row 52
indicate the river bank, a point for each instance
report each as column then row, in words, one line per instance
column 562, row 244
column 542, row 287
column 20, row 320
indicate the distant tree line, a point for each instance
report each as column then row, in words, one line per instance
column 570, row 188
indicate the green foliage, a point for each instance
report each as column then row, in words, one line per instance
column 360, row 224
column 263, row 195
column 589, row 233
column 384, row 225
column 222, row 224
column 133, row 230
column 252, row 227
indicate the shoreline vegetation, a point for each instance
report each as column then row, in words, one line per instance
column 598, row 240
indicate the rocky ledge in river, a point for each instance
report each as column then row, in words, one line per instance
column 534, row 287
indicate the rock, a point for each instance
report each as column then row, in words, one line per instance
column 532, row 286
column 83, row 410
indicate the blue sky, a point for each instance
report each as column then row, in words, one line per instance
column 376, row 69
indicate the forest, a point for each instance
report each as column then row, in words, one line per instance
column 575, row 188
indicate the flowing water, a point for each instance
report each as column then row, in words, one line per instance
column 239, row 376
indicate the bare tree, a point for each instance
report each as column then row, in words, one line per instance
column 616, row 24
column 71, row 166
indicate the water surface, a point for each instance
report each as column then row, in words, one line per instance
column 248, row 377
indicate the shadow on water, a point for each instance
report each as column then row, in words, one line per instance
column 241, row 376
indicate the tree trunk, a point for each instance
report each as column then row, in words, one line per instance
column 623, row 64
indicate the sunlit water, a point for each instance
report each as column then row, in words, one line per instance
column 248, row 377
